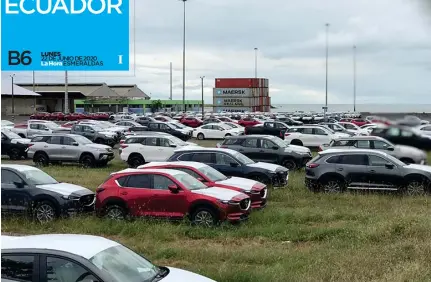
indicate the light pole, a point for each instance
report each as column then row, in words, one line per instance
column 13, row 101
column 326, row 80
column 184, row 56
column 354, row 78
column 255, row 62
column 202, row 84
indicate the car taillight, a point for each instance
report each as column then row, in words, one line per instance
column 29, row 145
column 312, row 165
column 286, row 134
column 123, row 146
column 320, row 149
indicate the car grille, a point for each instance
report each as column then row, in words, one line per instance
column 280, row 178
column 86, row 200
column 245, row 204
column 263, row 193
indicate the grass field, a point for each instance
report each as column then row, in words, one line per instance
column 300, row 236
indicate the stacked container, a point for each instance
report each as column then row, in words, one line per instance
column 241, row 95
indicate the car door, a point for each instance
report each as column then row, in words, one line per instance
column 320, row 137
column 154, row 127
column 383, row 174
column 250, row 148
column 33, row 129
column 362, row 144
column 217, row 132
column 54, row 148
column 206, row 130
column 59, row 268
column 151, row 149
column 15, row 194
column 5, row 144
column 88, row 132
column 19, row 267
column 267, row 151
column 166, row 148
column 227, row 165
column 355, row 168
column 70, row 151
column 137, row 193
column 164, row 203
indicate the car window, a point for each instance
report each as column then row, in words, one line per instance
column 405, row 133
column 188, row 171
column 319, row 131
column 307, row 130
column 122, row 180
column 77, row 128
column 62, row 270
column 393, row 131
column 139, row 181
column 185, row 157
column 161, row 182
column 363, row 144
column 333, row 160
column 251, row 143
column 426, row 128
column 34, row 126
column 355, row 159
column 338, row 143
column 18, row 267
column 203, row 158
column 349, row 126
column 223, row 159
column 164, row 142
column 154, row 125
column 380, row 145
column 267, row 144
column 377, row 161
column 295, row 130
column 230, row 141
column 68, row 141
column 87, row 129
column 55, row 140
column 164, row 127
column 9, row 177
column 151, row 141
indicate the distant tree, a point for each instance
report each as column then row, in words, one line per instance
column 156, row 105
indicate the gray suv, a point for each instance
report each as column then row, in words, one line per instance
column 269, row 149
column 96, row 134
column 407, row 154
column 58, row 148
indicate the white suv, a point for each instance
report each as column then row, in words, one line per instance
column 140, row 149
column 311, row 136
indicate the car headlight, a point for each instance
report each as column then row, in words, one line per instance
column 70, row 197
column 228, row 202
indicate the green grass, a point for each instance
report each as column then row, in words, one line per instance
column 300, row 236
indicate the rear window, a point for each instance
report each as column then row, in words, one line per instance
column 339, row 143
column 40, row 139
column 316, row 158
column 230, row 141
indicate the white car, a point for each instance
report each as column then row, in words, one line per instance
column 82, row 258
column 6, row 124
column 181, row 127
column 425, row 129
column 238, row 128
column 214, row 131
column 311, row 136
column 140, row 149
column 350, row 127
column 367, row 128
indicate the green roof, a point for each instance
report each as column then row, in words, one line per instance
column 135, row 102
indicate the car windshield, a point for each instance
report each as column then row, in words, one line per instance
column 278, row 142
column 122, row 264
column 38, row 177
column 11, row 135
column 224, row 126
column 189, row 181
column 52, row 125
column 178, row 125
column 243, row 159
column 177, row 141
column 212, row 174
column 82, row 140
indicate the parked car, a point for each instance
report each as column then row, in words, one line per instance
column 26, row 190
column 336, row 127
column 34, row 128
column 128, row 124
column 62, row 148
column 139, row 149
column 350, row 127
column 167, row 193
column 142, row 133
column 289, row 121
column 166, row 127
column 211, row 120
column 143, row 120
column 191, row 121
column 248, row 121
column 367, row 128
column 338, row 170
column 56, row 116
column 214, row 131
column 209, row 176
column 96, row 134
column 359, row 122
column 233, row 163
column 406, row 154
column 6, row 124
column 13, row 145
column 311, row 135
column 181, row 127
column 81, row 258
column 273, row 128
column 39, row 115
column 269, row 149
column 404, row 136
column 425, row 129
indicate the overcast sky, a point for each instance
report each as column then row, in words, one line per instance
column 393, row 39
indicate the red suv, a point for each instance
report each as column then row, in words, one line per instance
column 191, row 121
column 212, row 177
column 166, row 193
column 359, row 122
column 248, row 122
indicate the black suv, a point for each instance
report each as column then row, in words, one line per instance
column 13, row 145
column 336, row 170
column 168, row 128
column 270, row 149
column 233, row 163
column 401, row 135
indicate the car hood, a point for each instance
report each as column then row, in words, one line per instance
column 296, row 148
column 218, row 193
column 239, row 182
column 176, row 275
column 65, row 189
column 191, row 144
column 20, row 140
column 342, row 135
column 408, row 149
column 98, row 146
column 268, row 166
column 108, row 133
column 425, row 168
column 116, row 128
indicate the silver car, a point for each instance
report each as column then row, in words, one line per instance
column 407, row 154
column 57, row 148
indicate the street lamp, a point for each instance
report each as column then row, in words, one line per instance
column 354, row 78
column 202, row 84
column 255, row 62
column 326, row 83
column 184, row 56
column 13, row 101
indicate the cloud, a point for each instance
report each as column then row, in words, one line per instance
column 392, row 39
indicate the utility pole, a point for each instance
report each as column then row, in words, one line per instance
column 326, row 80
column 66, row 93
column 170, row 74
column 255, row 62
column 354, row 78
column 203, row 105
column 33, row 82
column 34, row 90
column 184, row 57
column 13, row 100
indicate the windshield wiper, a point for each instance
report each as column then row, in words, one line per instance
column 161, row 273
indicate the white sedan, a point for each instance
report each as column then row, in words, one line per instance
column 214, row 131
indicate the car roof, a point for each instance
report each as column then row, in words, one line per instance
column 359, row 137
column 179, row 163
column 170, row 172
column 85, row 246
column 200, row 149
column 19, row 167
column 354, row 151
column 250, row 136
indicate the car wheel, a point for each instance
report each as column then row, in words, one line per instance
column 44, row 212
column 297, row 142
column 333, row 186
column 416, row 187
column 201, row 136
column 14, row 154
column 227, row 135
column 87, row 161
column 41, row 159
column 115, row 212
column 261, row 178
column 204, row 217
column 289, row 164
column 136, row 161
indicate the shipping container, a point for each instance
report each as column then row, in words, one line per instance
column 233, row 102
column 240, row 82
column 233, row 109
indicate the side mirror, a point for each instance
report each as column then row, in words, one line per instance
column 46, row 129
column 19, row 184
column 389, row 166
column 173, row 146
column 390, row 148
column 75, row 144
column 233, row 164
column 275, row 148
column 92, row 131
column 173, row 188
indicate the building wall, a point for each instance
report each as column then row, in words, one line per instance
column 83, row 89
column 22, row 105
